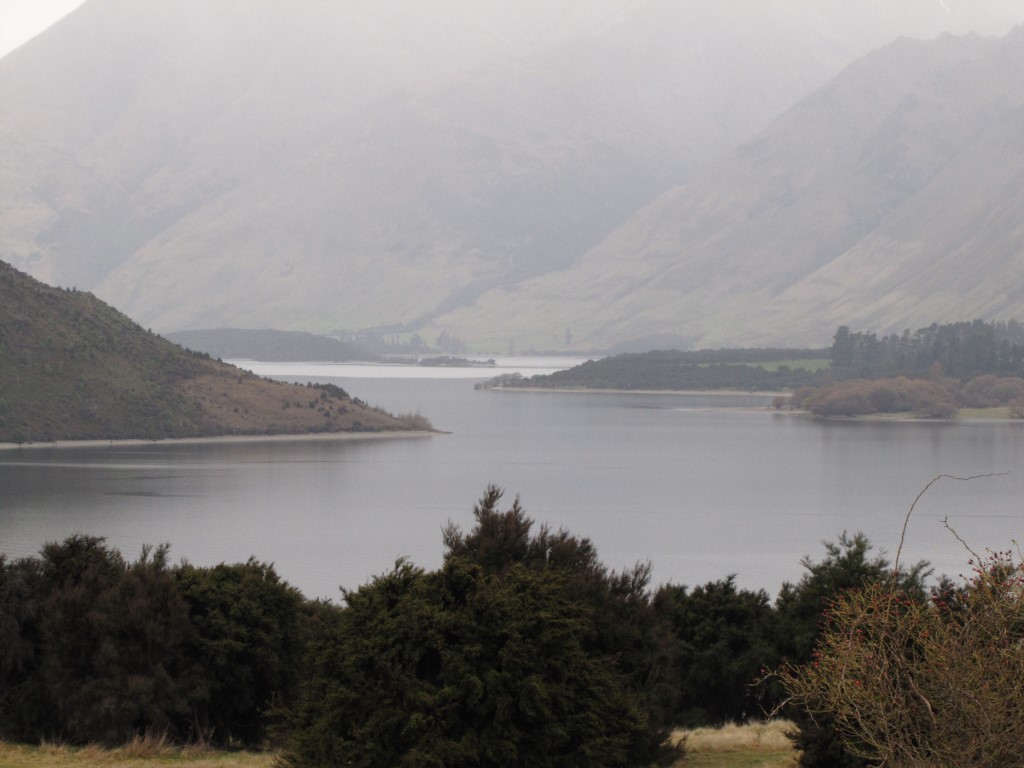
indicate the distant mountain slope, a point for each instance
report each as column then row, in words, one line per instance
column 73, row 368
column 889, row 198
column 268, row 345
column 336, row 166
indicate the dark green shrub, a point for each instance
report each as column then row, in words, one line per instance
column 503, row 657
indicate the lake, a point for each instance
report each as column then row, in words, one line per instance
column 700, row 485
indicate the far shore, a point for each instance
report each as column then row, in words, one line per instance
column 603, row 390
column 283, row 438
column 873, row 417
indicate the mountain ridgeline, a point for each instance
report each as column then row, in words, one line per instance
column 888, row 199
column 553, row 174
column 73, row 368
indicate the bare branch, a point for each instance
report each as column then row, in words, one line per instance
column 945, row 523
column 906, row 520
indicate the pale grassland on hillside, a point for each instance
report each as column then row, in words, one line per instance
column 752, row 745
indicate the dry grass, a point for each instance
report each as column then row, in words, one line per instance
column 141, row 752
column 753, row 745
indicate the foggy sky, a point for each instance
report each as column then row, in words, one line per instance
column 21, row 20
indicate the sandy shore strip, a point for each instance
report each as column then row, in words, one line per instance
column 290, row 438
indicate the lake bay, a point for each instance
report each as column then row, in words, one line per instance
column 700, row 485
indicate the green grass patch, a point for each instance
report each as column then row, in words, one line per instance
column 774, row 365
column 1001, row 412
column 745, row 759
column 820, row 364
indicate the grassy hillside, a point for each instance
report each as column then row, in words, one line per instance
column 73, row 368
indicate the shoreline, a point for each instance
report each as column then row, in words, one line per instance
column 610, row 391
column 283, row 438
column 903, row 418
column 800, row 413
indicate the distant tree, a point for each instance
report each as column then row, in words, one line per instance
column 843, row 354
column 962, row 350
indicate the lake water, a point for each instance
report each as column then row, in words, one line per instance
column 702, row 486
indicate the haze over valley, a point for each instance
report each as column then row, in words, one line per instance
column 545, row 175
column 723, row 296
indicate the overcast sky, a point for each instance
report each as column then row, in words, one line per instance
column 21, row 20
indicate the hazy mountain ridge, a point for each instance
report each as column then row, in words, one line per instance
column 269, row 345
column 884, row 199
column 73, row 368
column 331, row 167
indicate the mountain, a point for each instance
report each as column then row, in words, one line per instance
column 269, row 345
column 324, row 166
column 890, row 198
column 73, row 368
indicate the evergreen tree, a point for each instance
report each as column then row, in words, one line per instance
column 723, row 638
column 506, row 656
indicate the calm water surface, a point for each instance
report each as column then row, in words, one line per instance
column 702, row 486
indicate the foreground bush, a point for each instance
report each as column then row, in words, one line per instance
column 94, row 648
column 505, row 656
column 909, row 683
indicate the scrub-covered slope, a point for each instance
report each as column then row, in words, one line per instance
column 73, row 368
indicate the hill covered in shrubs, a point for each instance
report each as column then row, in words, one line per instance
column 74, row 368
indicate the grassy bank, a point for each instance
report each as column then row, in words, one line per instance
column 141, row 753
column 733, row 746
column 754, row 745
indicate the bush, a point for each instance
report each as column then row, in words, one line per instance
column 913, row 683
column 244, row 645
column 1007, row 390
column 848, row 565
column 723, row 637
column 106, row 639
column 862, row 397
column 504, row 656
column 94, row 648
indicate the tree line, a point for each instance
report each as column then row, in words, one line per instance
column 932, row 372
column 961, row 350
column 521, row 649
